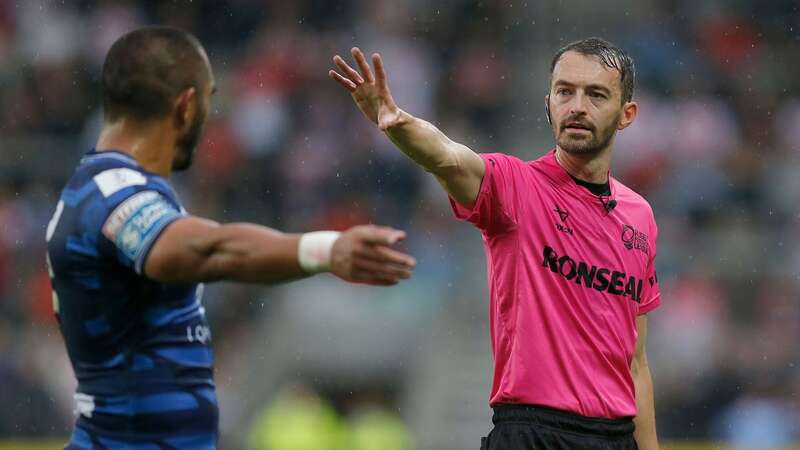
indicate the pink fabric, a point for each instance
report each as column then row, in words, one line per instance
column 566, row 282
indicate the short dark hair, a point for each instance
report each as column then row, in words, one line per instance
column 610, row 55
column 147, row 68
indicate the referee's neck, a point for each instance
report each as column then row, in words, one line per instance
column 592, row 168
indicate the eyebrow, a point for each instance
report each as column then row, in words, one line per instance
column 596, row 87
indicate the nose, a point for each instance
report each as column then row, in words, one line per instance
column 578, row 104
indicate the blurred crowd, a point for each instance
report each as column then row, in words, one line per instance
column 715, row 149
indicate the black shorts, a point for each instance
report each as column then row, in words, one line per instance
column 526, row 427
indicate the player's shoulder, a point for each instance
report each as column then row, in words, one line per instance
column 510, row 161
column 501, row 160
column 632, row 199
column 546, row 167
column 108, row 184
column 112, row 176
column 624, row 192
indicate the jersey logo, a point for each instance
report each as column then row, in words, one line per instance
column 132, row 225
column 113, row 180
column 590, row 276
column 562, row 214
column 635, row 239
column 84, row 404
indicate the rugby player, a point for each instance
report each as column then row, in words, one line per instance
column 127, row 262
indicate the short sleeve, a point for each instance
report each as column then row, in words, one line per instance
column 495, row 209
column 135, row 215
column 651, row 295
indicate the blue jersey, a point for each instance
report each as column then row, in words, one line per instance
column 140, row 349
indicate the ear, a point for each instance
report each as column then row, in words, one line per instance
column 629, row 111
column 185, row 107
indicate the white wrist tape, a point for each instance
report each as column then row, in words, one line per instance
column 314, row 251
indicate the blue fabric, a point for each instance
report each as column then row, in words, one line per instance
column 134, row 343
column 188, row 357
column 148, row 404
column 80, row 439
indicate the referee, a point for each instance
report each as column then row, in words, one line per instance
column 570, row 253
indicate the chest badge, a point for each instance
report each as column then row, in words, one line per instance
column 635, row 239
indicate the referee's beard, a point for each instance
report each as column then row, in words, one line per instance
column 596, row 142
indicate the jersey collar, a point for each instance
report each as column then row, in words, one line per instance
column 93, row 155
column 565, row 181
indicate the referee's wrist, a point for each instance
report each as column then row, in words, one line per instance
column 314, row 251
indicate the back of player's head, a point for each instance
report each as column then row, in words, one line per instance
column 146, row 69
column 610, row 55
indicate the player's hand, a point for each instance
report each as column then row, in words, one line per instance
column 363, row 254
column 370, row 92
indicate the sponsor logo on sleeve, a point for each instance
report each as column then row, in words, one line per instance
column 132, row 224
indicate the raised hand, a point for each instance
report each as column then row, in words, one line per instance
column 363, row 254
column 370, row 92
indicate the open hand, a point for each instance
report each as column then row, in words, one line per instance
column 370, row 92
column 363, row 254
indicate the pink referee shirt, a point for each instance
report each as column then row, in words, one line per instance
column 567, row 279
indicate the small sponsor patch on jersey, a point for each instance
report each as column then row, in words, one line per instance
column 113, row 180
column 134, row 223
column 84, row 404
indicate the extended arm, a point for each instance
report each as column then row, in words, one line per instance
column 458, row 169
column 193, row 249
column 645, row 419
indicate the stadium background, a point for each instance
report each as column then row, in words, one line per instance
column 715, row 149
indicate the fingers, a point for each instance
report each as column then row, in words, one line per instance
column 379, row 263
column 382, row 269
column 349, row 85
column 361, row 60
column 384, row 254
column 366, row 256
column 372, row 234
column 349, row 71
column 380, row 73
column 373, row 280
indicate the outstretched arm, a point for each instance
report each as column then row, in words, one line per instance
column 194, row 249
column 645, row 419
column 457, row 168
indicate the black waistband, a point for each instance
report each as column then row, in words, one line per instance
column 541, row 415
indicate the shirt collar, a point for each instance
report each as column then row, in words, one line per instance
column 554, row 169
column 93, row 155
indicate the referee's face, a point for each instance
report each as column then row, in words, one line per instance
column 585, row 104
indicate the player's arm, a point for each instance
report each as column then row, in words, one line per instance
column 458, row 169
column 193, row 249
column 645, row 419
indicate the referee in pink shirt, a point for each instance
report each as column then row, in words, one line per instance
column 570, row 254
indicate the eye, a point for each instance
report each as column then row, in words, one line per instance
column 597, row 94
column 563, row 91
